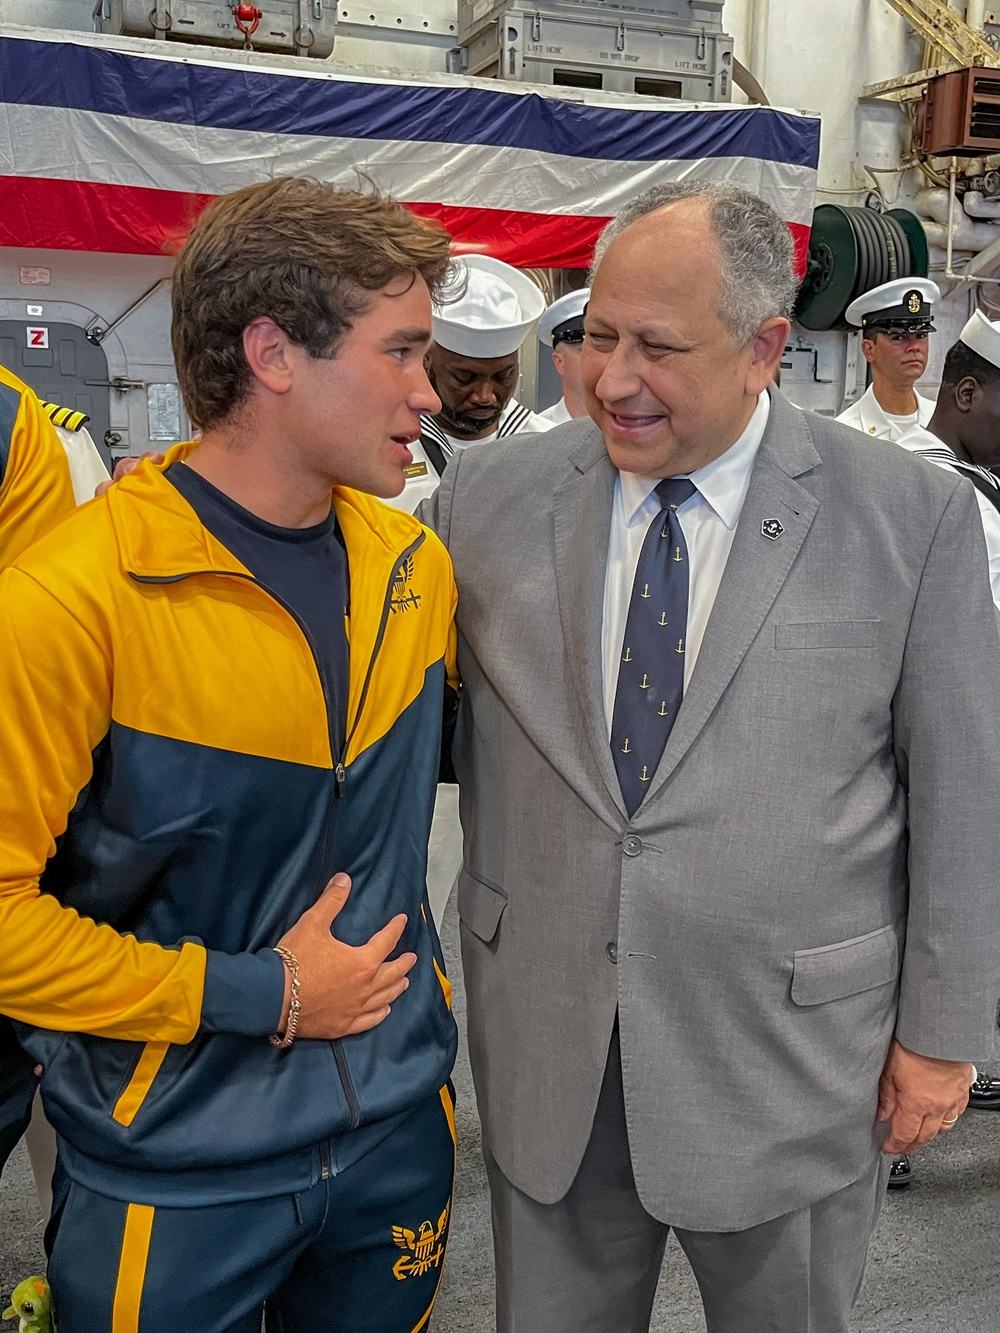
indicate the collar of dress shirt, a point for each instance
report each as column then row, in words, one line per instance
column 723, row 482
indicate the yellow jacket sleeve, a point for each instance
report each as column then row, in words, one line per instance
column 35, row 484
column 61, row 970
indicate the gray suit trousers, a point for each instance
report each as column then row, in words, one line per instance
column 590, row 1263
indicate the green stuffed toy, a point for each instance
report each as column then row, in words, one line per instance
column 31, row 1305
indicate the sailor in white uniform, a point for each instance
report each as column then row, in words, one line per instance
column 86, row 467
column 895, row 320
column 561, row 328
column 473, row 364
column 963, row 434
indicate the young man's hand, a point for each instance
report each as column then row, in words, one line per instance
column 343, row 989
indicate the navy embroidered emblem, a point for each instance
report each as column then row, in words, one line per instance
column 772, row 529
column 402, row 596
column 424, row 1248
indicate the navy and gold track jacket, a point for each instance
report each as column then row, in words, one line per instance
column 170, row 805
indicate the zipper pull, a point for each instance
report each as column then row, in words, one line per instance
column 340, row 773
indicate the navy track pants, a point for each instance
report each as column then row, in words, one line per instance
column 360, row 1252
column 17, row 1089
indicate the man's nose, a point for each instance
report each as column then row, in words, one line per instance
column 424, row 396
column 618, row 379
column 483, row 394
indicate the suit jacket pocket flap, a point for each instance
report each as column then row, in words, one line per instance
column 828, row 634
column 837, row 970
column 480, row 905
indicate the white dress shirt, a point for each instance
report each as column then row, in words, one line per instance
column 868, row 415
column 925, row 445
column 558, row 413
column 86, row 466
column 708, row 520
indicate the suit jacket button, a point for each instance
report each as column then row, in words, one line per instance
column 632, row 846
column 612, row 952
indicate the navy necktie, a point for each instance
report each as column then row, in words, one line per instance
column 651, row 673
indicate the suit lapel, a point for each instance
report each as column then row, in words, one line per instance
column 755, row 571
column 582, row 520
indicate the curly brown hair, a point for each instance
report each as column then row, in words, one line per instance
column 300, row 252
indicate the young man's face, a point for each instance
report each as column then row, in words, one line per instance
column 354, row 416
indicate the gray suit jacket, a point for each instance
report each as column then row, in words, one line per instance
column 815, row 866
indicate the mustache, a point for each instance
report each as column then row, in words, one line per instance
column 461, row 423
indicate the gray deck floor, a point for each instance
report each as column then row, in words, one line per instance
column 934, row 1265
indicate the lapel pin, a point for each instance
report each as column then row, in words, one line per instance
column 772, row 529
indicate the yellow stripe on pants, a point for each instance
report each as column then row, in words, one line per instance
column 132, row 1268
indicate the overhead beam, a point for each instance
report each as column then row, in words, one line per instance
column 943, row 28
column 905, row 88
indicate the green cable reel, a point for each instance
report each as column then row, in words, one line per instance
column 852, row 250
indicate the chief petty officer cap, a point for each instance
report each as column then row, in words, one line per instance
column 983, row 336
column 497, row 310
column 563, row 321
column 901, row 306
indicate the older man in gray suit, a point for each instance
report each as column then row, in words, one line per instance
column 730, row 765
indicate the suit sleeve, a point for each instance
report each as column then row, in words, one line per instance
column 61, row 970
column 35, row 485
column 435, row 511
column 946, row 721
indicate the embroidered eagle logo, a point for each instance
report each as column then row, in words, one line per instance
column 402, row 597
column 424, row 1248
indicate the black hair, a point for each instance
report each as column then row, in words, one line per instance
column 963, row 363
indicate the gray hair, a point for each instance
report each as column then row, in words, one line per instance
column 758, row 279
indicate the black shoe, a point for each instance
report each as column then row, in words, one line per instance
column 984, row 1095
column 900, row 1174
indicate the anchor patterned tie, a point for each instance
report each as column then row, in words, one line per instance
column 651, row 673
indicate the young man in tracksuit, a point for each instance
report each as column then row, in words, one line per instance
column 35, row 491
column 226, row 685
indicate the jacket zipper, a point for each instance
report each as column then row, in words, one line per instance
column 339, row 771
column 339, row 1055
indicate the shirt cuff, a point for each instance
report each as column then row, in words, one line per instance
column 244, row 993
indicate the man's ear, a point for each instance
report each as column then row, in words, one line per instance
column 559, row 361
column 966, row 393
column 767, row 349
column 868, row 349
column 270, row 354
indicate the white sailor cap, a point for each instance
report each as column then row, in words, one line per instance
column 903, row 304
column 983, row 336
column 497, row 311
column 564, row 317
